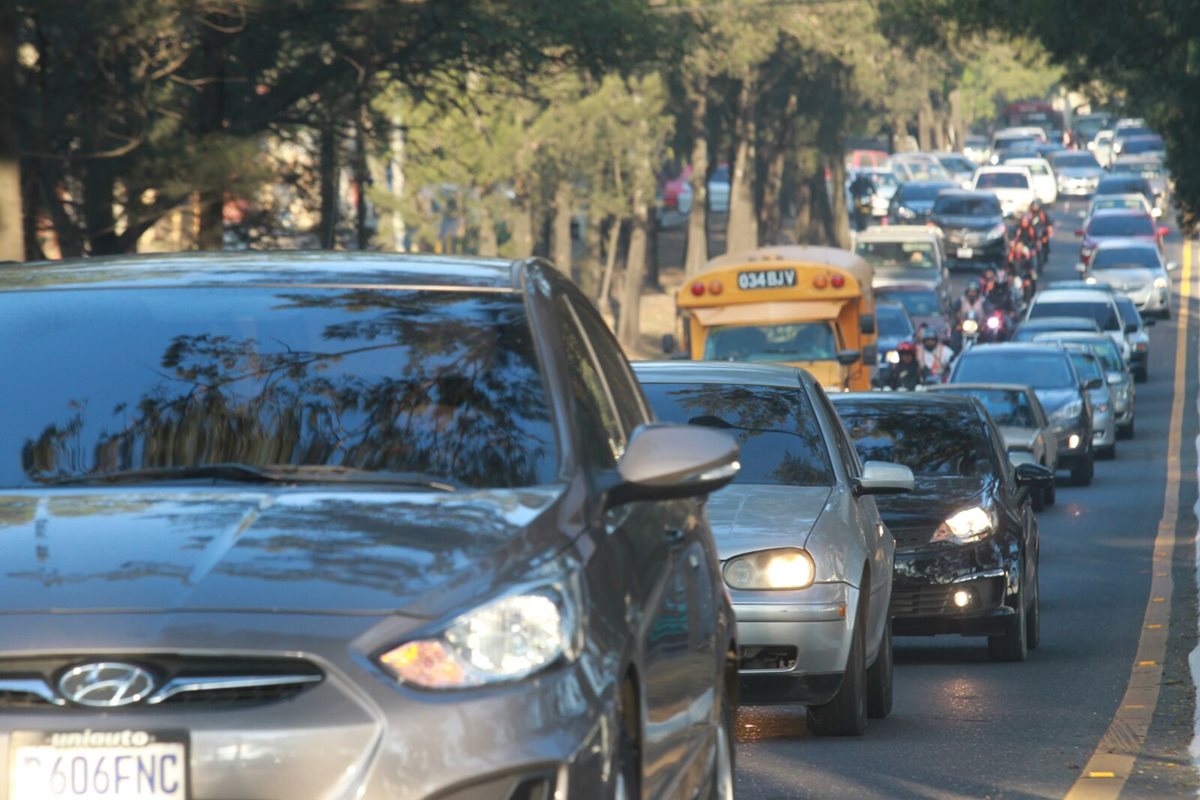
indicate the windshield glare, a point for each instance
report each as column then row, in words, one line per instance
column 780, row 438
column 1001, row 180
column 383, row 381
column 1125, row 258
column 1041, row 371
column 1121, row 225
column 801, row 341
column 946, row 442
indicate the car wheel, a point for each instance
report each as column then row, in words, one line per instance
column 1082, row 473
column 1012, row 645
column 1038, row 499
column 846, row 713
column 1166, row 313
column 1033, row 620
column 1107, row 453
column 720, row 787
column 879, row 678
column 1051, row 494
column 1126, row 431
column 627, row 783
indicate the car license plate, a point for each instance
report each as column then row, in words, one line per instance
column 99, row 765
column 767, row 279
column 965, row 252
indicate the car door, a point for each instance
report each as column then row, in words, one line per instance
column 1015, row 505
column 663, row 545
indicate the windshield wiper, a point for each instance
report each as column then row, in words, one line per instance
column 246, row 473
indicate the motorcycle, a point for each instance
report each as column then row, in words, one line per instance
column 995, row 327
column 862, row 212
column 968, row 331
column 1021, row 265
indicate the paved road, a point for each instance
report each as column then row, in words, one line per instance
column 964, row 727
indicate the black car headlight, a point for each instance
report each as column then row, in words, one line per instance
column 504, row 640
column 965, row 526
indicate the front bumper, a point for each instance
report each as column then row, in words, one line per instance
column 354, row 735
column 795, row 644
column 981, row 251
column 1078, row 187
column 928, row 578
column 1104, row 429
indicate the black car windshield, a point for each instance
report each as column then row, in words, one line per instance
column 443, row 384
column 1121, row 184
column 1075, row 161
column 920, row 191
column 1121, row 225
column 1125, row 258
column 801, row 341
column 972, row 206
column 1008, row 407
column 1048, row 370
column 897, row 255
column 893, row 322
column 1100, row 312
column 1001, row 180
column 932, row 441
column 917, row 302
column 777, row 429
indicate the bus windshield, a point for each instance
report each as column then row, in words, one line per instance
column 800, row 341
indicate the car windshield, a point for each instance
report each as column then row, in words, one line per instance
column 1075, row 160
column 397, row 381
column 917, row 302
column 1119, row 184
column 959, row 206
column 1125, row 258
column 1105, row 350
column 1121, row 225
column 893, row 322
column 921, row 191
column 883, row 179
column 1001, row 180
column 896, row 255
column 1048, row 370
column 1008, row 407
column 1101, row 312
column 780, row 438
column 1086, row 366
column 934, row 442
column 1015, row 142
column 800, row 341
column 1143, row 144
column 957, row 163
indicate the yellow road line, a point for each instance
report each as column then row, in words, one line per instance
column 1118, row 749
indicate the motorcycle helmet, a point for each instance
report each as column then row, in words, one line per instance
column 973, row 287
column 906, row 347
column 1035, row 206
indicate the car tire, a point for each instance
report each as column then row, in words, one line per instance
column 1107, row 453
column 846, row 713
column 720, row 785
column 1033, row 620
column 1051, row 494
column 1012, row 645
column 1038, row 499
column 627, row 773
column 1084, row 470
column 880, row 678
column 1126, row 432
column 1165, row 313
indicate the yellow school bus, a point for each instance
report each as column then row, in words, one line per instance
column 810, row 307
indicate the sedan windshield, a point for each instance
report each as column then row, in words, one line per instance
column 777, row 429
column 933, row 442
column 1048, row 370
column 1126, row 258
column 1086, row 365
column 802, row 341
column 1101, row 313
column 1121, row 225
column 977, row 206
column 1008, row 407
column 1075, row 161
column 298, row 380
column 1105, row 350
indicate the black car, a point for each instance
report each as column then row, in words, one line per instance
column 913, row 201
column 973, row 226
column 1049, row 370
column 967, row 536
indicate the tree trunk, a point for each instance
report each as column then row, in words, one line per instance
column 742, row 230
column 770, row 214
column 328, row 171
column 839, row 234
column 696, row 252
column 593, row 271
column 629, row 325
column 489, row 247
column 560, row 234
column 821, row 220
column 958, row 127
column 522, row 228
column 99, row 222
column 211, row 235
column 604, row 296
column 924, row 121
column 362, row 179
column 12, row 224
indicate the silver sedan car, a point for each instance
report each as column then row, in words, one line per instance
column 1101, row 397
column 1117, row 373
column 330, row 526
column 803, row 550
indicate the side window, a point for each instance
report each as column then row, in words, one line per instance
column 601, row 434
column 840, row 439
column 623, row 386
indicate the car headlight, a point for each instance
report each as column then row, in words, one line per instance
column 771, row 569
column 1161, row 283
column 997, row 231
column 892, row 357
column 968, row 525
column 970, row 326
column 504, row 640
column 1067, row 413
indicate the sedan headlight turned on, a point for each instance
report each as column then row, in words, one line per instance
column 771, row 569
column 969, row 525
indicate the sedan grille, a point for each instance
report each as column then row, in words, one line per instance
column 196, row 682
column 920, row 601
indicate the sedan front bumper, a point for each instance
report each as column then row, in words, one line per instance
column 928, row 579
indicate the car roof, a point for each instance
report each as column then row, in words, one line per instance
column 1000, row 387
column 1078, row 284
column 892, row 233
column 722, row 372
column 275, row 268
column 1071, row 296
column 1119, row 212
column 1048, row 323
column 1027, row 348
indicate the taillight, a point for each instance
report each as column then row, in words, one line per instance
column 838, row 281
column 697, row 289
column 820, row 282
column 715, row 287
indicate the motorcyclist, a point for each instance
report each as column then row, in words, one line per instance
column 862, row 188
column 933, row 355
column 907, row 374
column 1043, row 226
column 971, row 301
column 997, row 291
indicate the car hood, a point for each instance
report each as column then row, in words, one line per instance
column 1054, row 399
column 748, row 517
column 913, row 517
column 282, row 550
column 971, row 223
column 1018, row 438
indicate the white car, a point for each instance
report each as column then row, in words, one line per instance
column 1102, row 148
column 1095, row 304
column 1045, row 186
column 1013, row 187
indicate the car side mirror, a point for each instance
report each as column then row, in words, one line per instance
column 667, row 462
column 669, row 345
column 848, row 357
column 883, row 477
column 1033, row 476
column 1081, row 268
column 1172, row 266
column 1146, row 323
column 1093, row 383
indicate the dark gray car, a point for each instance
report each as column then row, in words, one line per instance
column 297, row 525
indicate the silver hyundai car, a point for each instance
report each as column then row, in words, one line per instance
column 329, row 526
column 806, row 557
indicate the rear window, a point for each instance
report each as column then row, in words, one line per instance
column 1048, row 370
column 1075, row 160
column 781, row 440
column 921, row 191
column 1106, row 351
column 1086, row 365
column 895, row 255
column 1143, row 144
column 980, row 206
column 893, row 323
column 1122, row 185
column 1101, row 312
column 917, row 302
column 932, row 441
column 1001, row 180
column 1125, row 257
column 1008, row 407
column 1121, row 225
